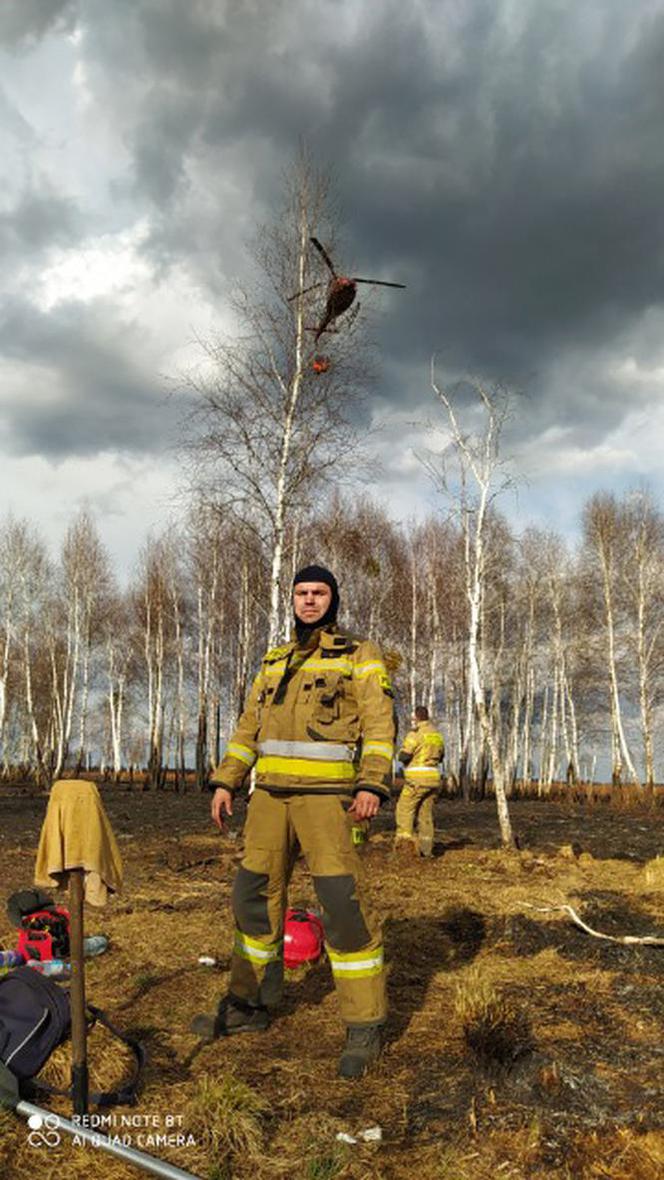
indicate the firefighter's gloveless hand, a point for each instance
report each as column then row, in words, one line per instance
column 365, row 805
column 222, row 801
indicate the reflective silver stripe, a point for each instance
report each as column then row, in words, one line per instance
column 242, row 753
column 421, row 770
column 250, row 948
column 384, row 749
column 316, row 751
column 342, row 966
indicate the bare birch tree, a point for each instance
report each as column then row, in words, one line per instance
column 480, row 478
column 643, row 575
column 119, row 662
column 32, row 573
column 10, row 548
column 153, row 603
column 604, row 536
column 265, row 430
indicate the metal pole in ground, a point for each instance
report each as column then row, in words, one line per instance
column 79, row 1055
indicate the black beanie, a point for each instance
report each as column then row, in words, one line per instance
column 317, row 573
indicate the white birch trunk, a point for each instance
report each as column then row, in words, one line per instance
column 543, row 737
column 413, row 632
column 527, row 725
column 619, row 743
column 293, row 394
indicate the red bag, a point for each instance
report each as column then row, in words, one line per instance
column 44, row 934
column 303, row 938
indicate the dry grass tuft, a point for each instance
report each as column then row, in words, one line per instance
column 619, row 1155
column 224, row 1115
column 495, row 1029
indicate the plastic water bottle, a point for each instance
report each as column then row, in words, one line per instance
column 95, row 944
column 11, row 959
column 56, row 968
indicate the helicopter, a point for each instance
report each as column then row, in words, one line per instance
column 341, row 292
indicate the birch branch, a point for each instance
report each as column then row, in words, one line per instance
column 625, row 939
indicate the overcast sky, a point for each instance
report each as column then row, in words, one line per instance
column 504, row 158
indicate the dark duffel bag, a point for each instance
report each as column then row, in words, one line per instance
column 35, row 1017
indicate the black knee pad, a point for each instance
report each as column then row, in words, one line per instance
column 250, row 902
column 345, row 928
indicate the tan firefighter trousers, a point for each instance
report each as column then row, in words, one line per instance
column 277, row 827
column 414, row 813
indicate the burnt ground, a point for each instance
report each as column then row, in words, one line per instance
column 517, row 1044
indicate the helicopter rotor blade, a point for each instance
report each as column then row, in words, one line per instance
column 304, row 291
column 379, row 283
column 324, row 254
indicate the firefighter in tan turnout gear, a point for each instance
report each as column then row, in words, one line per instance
column 421, row 754
column 318, row 730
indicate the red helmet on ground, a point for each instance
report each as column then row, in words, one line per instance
column 303, row 938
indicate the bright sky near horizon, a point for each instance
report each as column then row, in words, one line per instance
column 505, row 160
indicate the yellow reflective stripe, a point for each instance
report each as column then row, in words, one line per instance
column 306, row 768
column 277, row 669
column 255, row 951
column 338, row 664
column 368, row 667
column 385, row 749
column 243, row 753
column 358, row 965
column 410, row 769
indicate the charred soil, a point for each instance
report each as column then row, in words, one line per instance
column 517, row 1045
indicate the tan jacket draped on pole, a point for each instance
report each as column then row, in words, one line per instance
column 317, row 719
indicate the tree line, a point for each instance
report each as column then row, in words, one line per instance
column 568, row 639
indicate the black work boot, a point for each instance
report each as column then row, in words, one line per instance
column 362, row 1048
column 232, row 1016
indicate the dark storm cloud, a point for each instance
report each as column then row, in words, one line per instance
column 506, row 161
column 22, row 22
column 81, row 390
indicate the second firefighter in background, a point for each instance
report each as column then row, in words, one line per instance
column 421, row 755
column 319, row 731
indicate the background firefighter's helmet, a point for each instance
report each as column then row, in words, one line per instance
column 303, row 938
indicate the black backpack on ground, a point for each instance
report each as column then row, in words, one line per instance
column 35, row 1017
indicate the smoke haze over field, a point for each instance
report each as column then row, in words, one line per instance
column 504, row 160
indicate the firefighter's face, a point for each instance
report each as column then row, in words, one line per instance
column 311, row 600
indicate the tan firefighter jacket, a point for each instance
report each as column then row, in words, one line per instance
column 319, row 718
column 421, row 754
